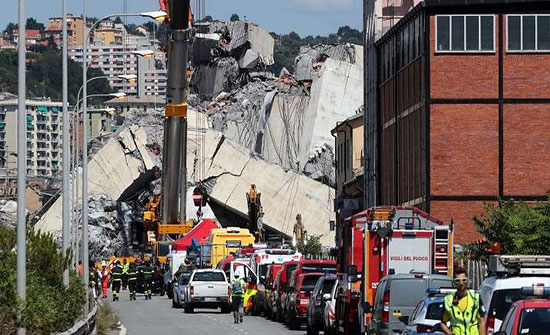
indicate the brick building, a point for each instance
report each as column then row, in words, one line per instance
column 463, row 107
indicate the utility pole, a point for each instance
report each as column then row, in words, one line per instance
column 21, row 160
column 85, row 268
column 66, row 150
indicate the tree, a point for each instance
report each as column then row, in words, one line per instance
column 118, row 19
column 33, row 24
column 10, row 28
column 312, row 246
column 44, row 77
column 519, row 227
column 49, row 306
column 207, row 18
column 234, row 17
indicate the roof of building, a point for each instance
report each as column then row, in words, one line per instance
column 132, row 99
column 34, row 103
column 346, row 121
column 29, row 33
column 465, row 6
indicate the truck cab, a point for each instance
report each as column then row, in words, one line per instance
column 224, row 241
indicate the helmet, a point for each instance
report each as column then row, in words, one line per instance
column 117, row 262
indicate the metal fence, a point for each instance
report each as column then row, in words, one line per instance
column 83, row 327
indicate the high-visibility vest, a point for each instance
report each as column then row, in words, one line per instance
column 463, row 322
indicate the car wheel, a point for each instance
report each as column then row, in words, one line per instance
column 189, row 309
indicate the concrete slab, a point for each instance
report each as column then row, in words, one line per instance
column 336, row 94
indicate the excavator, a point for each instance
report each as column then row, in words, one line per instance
column 164, row 215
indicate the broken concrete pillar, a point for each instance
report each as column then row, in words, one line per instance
column 203, row 47
column 210, row 80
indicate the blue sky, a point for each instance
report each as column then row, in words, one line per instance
column 306, row 17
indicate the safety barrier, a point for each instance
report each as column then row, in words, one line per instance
column 83, row 327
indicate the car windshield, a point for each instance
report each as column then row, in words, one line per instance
column 309, row 283
column 208, row 276
column 502, row 301
column 534, row 321
column 328, row 285
column 435, row 311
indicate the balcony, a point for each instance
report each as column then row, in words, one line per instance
column 41, row 130
column 42, row 121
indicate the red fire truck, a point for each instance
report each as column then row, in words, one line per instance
column 381, row 241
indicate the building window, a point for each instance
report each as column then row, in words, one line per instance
column 465, row 33
column 528, row 32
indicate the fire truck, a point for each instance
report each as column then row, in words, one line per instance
column 381, row 241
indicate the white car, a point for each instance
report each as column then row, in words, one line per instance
column 329, row 314
column 208, row 288
column 498, row 294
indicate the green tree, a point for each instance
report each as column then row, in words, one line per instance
column 312, row 245
column 33, row 24
column 49, row 307
column 207, row 18
column 519, row 227
column 234, row 17
column 10, row 28
column 44, row 77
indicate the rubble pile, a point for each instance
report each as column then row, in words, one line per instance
column 8, row 213
column 288, row 120
column 228, row 55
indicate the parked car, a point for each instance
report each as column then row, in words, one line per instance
column 317, row 301
column 298, row 297
column 329, row 314
column 180, row 290
column 396, row 298
column 530, row 316
column 305, row 266
column 426, row 316
column 498, row 294
column 208, row 288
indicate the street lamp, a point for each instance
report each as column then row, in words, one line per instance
column 158, row 15
column 144, row 53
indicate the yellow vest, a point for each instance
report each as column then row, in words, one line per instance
column 463, row 322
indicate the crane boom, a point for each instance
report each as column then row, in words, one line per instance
column 174, row 177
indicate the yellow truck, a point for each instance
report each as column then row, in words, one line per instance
column 224, row 241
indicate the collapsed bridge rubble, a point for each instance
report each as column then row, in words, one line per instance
column 245, row 126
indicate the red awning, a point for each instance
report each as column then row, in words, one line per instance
column 200, row 232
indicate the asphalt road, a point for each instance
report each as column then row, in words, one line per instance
column 156, row 316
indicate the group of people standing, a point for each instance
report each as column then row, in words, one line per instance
column 121, row 276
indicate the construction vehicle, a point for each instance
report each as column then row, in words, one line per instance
column 225, row 241
column 165, row 214
column 255, row 214
column 381, row 241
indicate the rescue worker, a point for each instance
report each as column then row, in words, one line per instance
column 125, row 267
column 463, row 309
column 147, row 271
column 237, row 293
column 116, row 280
column 104, row 280
column 132, row 276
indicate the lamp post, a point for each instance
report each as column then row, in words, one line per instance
column 65, row 145
column 21, row 168
column 158, row 15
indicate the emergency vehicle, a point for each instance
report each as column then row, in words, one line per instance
column 259, row 263
column 381, row 241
